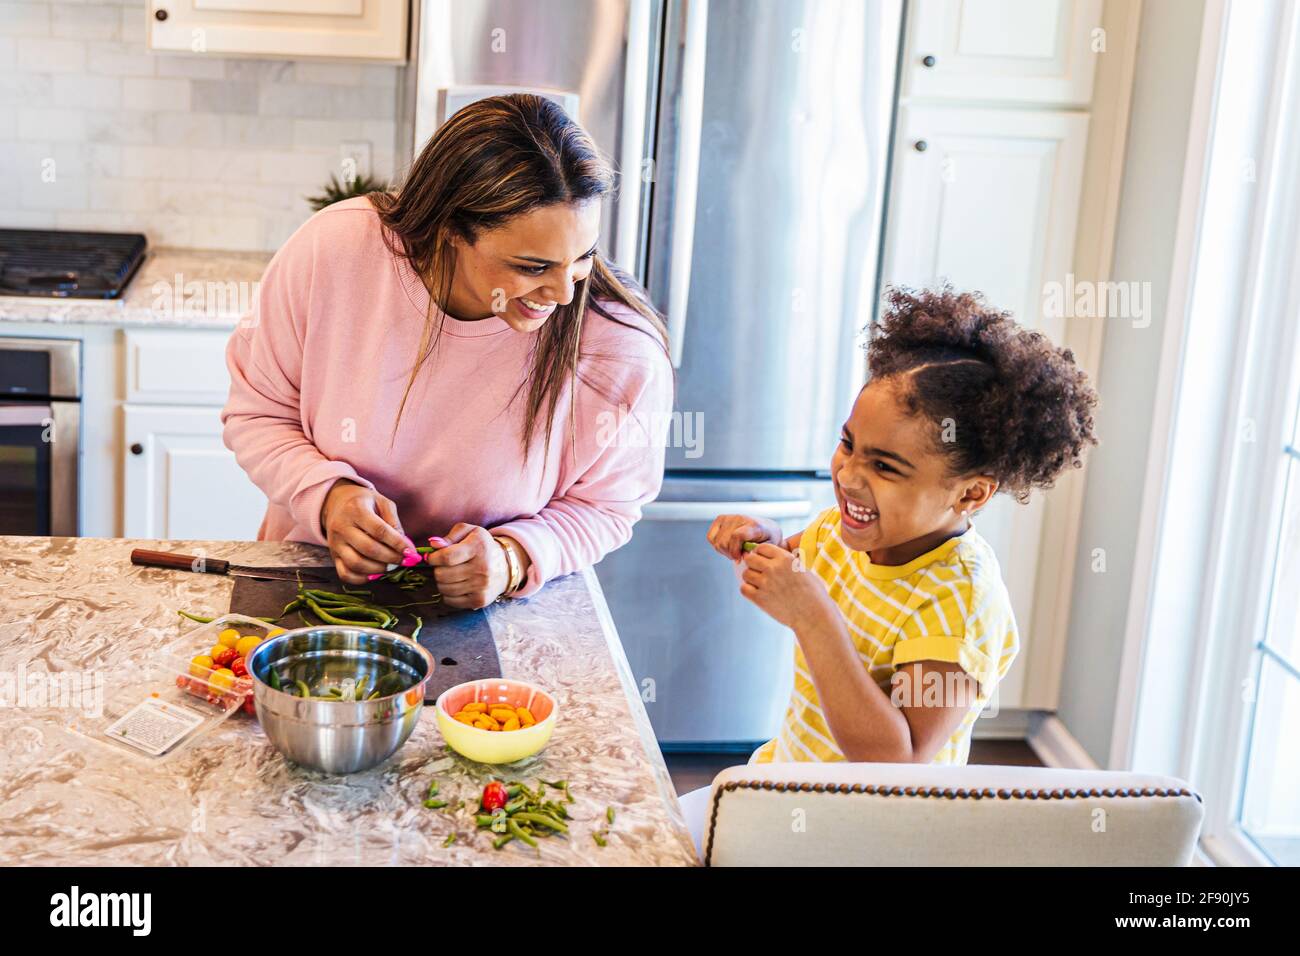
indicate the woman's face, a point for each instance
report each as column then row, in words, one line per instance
column 892, row 484
column 522, row 270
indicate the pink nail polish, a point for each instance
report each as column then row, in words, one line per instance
column 410, row 558
column 373, row 577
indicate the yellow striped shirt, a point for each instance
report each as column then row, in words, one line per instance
column 949, row 604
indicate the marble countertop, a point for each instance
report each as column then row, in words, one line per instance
column 181, row 288
column 78, row 605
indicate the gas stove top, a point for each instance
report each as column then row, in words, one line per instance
column 74, row 265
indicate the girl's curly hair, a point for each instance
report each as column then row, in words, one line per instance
column 1004, row 400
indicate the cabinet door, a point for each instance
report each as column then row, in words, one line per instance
column 1036, row 51
column 349, row 29
column 181, row 482
column 990, row 204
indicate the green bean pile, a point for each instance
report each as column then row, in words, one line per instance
column 390, row 683
column 528, row 815
column 351, row 608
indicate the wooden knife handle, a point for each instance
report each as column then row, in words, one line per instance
column 179, row 562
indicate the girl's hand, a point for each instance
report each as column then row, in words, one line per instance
column 776, row 581
column 362, row 531
column 471, row 571
column 728, row 533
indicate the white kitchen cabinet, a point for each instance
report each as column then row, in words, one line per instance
column 1003, row 51
column 372, row 30
column 988, row 200
column 177, row 366
column 180, row 481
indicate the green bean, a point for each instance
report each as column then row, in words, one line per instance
column 437, row 599
column 209, row 620
column 609, row 815
column 451, row 838
column 514, row 806
column 363, row 618
column 273, row 678
column 502, row 840
column 433, row 788
column 512, row 790
column 324, row 615
column 543, row 819
column 749, row 546
column 373, row 695
column 331, row 597
column 419, row 623
column 483, row 819
column 435, row 804
column 303, row 690
column 599, row 838
column 361, row 688
column 518, row 831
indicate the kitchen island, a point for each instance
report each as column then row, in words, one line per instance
column 79, row 605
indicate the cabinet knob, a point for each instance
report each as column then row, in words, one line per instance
column 160, row 14
column 137, row 448
column 927, row 60
column 920, row 146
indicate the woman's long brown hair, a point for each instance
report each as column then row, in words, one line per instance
column 496, row 159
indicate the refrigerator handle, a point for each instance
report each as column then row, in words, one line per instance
column 691, row 120
column 636, row 88
column 708, row 510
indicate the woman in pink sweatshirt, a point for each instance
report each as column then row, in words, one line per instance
column 457, row 360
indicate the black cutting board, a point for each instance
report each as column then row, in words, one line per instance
column 460, row 641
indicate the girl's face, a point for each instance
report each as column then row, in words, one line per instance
column 896, row 498
column 522, row 270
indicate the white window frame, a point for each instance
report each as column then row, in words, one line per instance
column 1229, row 369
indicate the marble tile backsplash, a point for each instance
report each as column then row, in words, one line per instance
column 197, row 151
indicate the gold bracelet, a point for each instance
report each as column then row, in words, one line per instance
column 512, row 562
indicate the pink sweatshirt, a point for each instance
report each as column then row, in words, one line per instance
column 318, row 370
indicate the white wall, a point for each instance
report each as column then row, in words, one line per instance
column 194, row 151
column 1168, row 45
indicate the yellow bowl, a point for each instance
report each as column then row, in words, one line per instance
column 496, row 746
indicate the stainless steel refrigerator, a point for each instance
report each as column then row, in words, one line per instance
column 752, row 137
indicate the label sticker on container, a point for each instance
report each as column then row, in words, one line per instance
column 154, row 726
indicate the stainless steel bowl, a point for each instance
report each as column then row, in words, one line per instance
column 338, row 737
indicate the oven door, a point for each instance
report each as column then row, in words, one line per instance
column 39, row 442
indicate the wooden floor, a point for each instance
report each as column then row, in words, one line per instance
column 691, row 771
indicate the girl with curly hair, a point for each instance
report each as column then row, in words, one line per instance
column 903, row 625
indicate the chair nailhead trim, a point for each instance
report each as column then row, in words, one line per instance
column 1069, row 793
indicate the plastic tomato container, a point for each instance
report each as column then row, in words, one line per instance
column 156, row 712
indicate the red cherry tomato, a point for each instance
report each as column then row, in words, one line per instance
column 238, row 667
column 494, row 796
column 249, row 705
column 224, row 657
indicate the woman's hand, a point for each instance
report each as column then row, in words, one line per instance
column 362, row 531
column 776, row 581
column 728, row 533
column 472, row 571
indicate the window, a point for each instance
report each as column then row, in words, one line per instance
column 1212, row 692
column 1270, row 807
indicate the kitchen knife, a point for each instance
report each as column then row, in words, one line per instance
column 206, row 565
